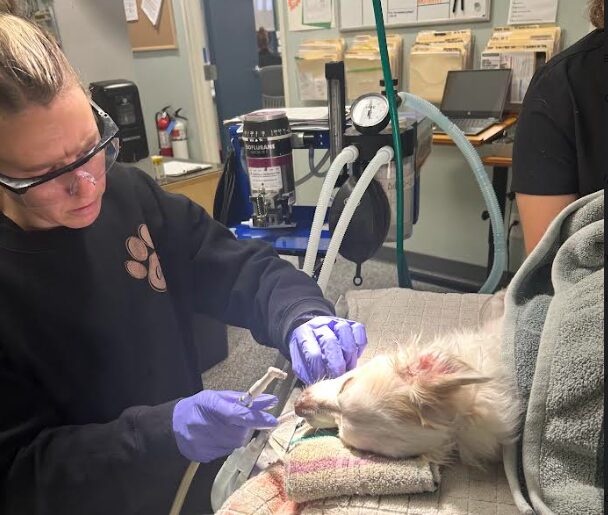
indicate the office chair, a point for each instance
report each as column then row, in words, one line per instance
column 271, row 78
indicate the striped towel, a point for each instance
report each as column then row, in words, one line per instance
column 321, row 466
column 264, row 494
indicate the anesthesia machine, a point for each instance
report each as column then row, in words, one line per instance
column 372, row 186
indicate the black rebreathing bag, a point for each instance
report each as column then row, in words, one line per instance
column 368, row 227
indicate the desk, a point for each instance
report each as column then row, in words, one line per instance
column 197, row 186
column 487, row 136
column 500, row 167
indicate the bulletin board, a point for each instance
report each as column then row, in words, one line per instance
column 146, row 37
column 359, row 14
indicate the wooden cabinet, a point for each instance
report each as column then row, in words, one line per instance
column 199, row 186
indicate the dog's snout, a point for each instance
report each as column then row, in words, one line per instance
column 318, row 410
column 304, row 405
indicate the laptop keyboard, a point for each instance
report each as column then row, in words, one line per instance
column 472, row 124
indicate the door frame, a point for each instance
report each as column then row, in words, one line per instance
column 282, row 15
column 204, row 103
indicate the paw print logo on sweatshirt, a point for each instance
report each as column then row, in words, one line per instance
column 144, row 262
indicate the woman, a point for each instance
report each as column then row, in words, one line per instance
column 100, row 278
column 560, row 138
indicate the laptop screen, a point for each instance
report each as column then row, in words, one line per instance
column 476, row 93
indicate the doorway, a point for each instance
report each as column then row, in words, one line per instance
column 243, row 46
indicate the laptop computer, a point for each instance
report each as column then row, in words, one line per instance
column 475, row 99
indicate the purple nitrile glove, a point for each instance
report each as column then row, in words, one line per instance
column 212, row 423
column 326, row 347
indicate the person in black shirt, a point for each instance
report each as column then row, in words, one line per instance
column 265, row 56
column 560, row 136
column 101, row 276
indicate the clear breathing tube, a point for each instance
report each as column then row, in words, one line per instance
column 498, row 233
column 429, row 110
column 382, row 157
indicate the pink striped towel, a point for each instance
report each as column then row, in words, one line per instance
column 321, row 466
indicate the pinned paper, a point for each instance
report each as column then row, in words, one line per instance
column 130, row 10
column 402, row 11
column 151, row 9
column 522, row 12
column 317, row 12
column 310, row 14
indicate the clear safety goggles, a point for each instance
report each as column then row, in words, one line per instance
column 50, row 188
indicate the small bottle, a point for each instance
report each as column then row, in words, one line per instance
column 159, row 168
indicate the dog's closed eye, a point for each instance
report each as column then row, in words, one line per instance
column 345, row 384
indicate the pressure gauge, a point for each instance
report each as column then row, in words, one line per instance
column 369, row 113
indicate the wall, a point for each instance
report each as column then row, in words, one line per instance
column 164, row 79
column 450, row 223
column 95, row 40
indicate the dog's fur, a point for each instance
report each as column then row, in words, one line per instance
column 452, row 394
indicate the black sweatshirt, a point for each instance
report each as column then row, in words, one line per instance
column 96, row 344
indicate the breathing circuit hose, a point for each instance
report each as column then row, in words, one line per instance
column 498, row 232
column 402, row 271
column 348, row 155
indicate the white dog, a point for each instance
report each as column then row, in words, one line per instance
column 452, row 394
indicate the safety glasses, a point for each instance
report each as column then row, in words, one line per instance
column 98, row 160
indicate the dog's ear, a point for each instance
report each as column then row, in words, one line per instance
column 463, row 378
column 439, row 372
column 432, row 379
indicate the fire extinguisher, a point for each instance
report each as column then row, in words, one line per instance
column 163, row 127
column 179, row 136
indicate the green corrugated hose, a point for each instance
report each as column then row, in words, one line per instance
column 402, row 270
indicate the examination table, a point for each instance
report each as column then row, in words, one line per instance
column 390, row 316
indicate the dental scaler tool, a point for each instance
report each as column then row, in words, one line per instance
column 261, row 384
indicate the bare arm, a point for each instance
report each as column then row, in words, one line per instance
column 537, row 212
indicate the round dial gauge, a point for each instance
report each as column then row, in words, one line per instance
column 369, row 113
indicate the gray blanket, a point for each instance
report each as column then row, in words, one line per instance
column 554, row 346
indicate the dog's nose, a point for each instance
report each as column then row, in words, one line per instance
column 303, row 405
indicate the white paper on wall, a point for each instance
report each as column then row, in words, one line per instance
column 151, row 8
column 130, row 10
column 316, row 11
column 522, row 12
column 401, row 11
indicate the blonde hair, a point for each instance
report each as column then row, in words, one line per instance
column 596, row 13
column 33, row 69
